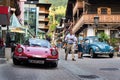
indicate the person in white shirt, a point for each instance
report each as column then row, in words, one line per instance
column 71, row 40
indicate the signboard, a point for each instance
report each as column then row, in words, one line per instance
column 4, row 19
column 3, row 10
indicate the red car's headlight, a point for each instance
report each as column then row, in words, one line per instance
column 20, row 50
column 54, row 52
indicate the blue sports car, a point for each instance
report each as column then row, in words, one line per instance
column 93, row 46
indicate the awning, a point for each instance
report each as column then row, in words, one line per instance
column 14, row 23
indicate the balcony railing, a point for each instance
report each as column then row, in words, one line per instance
column 111, row 19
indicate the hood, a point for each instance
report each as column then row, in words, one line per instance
column 101, row 45
column 37, row 51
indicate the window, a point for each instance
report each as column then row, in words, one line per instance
column 86, row 41
column 114, row 34
column 104, row 10
column 99, row 31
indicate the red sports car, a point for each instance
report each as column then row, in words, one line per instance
column 36, row 51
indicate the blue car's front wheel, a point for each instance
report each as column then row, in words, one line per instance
column 92, row 54
column 111, row 55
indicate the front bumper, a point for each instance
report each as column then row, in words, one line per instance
column 35, row 59
column 105, row 53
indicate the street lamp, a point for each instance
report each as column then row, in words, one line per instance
column 96, row 20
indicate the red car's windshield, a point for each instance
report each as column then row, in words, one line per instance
column 38, row 42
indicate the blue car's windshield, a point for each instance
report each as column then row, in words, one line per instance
column 39, row 42
column 94, row 40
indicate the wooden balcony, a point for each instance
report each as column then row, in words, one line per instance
column 77, row 5
column 103, row 19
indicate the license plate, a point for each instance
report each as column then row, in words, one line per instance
column 37, row 61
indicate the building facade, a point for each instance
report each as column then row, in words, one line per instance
column 43, row 13
column 18, row 5
column 84, row 12
column 36, row 15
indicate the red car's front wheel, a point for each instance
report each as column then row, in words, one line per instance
column 15, row 61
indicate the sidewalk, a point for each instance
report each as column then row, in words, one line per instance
column 2, row 57
column 118, row 54
column 3, row 60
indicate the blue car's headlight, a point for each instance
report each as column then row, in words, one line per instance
column 111, row 48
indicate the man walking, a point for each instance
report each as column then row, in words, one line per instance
column 71, row 40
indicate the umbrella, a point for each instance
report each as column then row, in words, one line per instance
column 15, row 25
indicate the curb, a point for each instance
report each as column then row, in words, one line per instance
column 3, row 60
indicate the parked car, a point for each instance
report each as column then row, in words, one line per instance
column 36, row 51
column 93, row 46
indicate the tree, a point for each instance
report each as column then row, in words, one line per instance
column 103, row 37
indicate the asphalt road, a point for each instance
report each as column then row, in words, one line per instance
column 102, row 68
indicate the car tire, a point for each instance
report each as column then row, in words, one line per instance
column 92, row 55
column 15, row 61
column 111, row 55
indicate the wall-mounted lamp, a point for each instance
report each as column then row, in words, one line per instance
column 96, row 20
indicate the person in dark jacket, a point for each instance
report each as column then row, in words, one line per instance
column 1, row 42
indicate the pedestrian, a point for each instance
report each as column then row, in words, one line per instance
column 1, row 45
column 71, row 40
column 80, row 49
column 1, row 42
